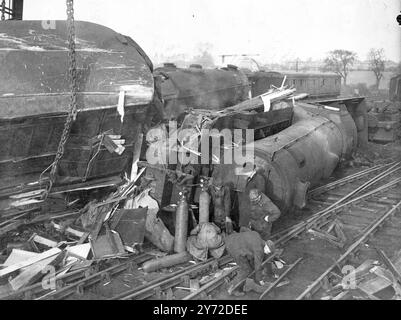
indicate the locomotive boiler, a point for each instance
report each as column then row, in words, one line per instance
column 296, row 158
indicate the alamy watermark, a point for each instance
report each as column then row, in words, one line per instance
column 49, row 24
column 205, row 146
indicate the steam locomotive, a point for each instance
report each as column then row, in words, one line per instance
column 119, row 96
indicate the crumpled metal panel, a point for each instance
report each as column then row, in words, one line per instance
column 34, row 68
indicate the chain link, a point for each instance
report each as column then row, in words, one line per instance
column 72, row 113
column 3, row 10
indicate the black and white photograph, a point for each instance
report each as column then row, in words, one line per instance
column 220, row 152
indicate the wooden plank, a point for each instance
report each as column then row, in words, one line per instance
column 12, row 226
column 26, row 276
column 69, row 230
column 80, row 251
column 83, row 238
column 46, row 242
column 17, row 256
column 30, row 261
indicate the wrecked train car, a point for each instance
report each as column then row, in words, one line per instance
column 215, row 90
column 198, row 88
column 115, row 91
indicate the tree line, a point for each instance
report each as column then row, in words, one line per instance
column 340, row 61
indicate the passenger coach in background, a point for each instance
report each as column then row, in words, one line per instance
column 316, row 85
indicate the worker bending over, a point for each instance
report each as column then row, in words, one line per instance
column 221, row 199
column 263, row 213
column 247, row 249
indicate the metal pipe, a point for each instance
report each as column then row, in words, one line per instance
column 165, row 262
column 165, row 281
column 348, row 179
column 204, row 203
column 181, row 224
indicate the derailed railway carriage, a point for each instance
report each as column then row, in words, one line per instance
column 115, row 91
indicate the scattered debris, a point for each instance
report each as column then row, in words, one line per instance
column 334, row 234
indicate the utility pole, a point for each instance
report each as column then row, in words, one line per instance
column 3, row 10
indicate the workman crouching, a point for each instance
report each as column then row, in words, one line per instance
column 247, row 249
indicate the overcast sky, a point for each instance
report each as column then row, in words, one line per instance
column 277, row 30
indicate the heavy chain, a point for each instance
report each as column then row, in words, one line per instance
column 72, row 113
column 3, row 10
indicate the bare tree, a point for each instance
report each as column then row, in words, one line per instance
column 376, row 60
column 339, row 62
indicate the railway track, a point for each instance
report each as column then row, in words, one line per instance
column 360, row 189
column 363, row 196
column 357, row 199
column 77, row 281
column 368, row 215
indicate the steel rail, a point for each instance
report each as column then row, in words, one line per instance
column 281, row 277
column 347, row 179
column 214, row 284
column 132, row 292
column 172, row 282
column 336, row 205
column 372, row 181
column 169, row 281
column 312, row 288
column 314, row 219
column 91, row 279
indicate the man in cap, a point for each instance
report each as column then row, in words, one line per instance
column 263, row 213
column 247, row 249
column 254, row 180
